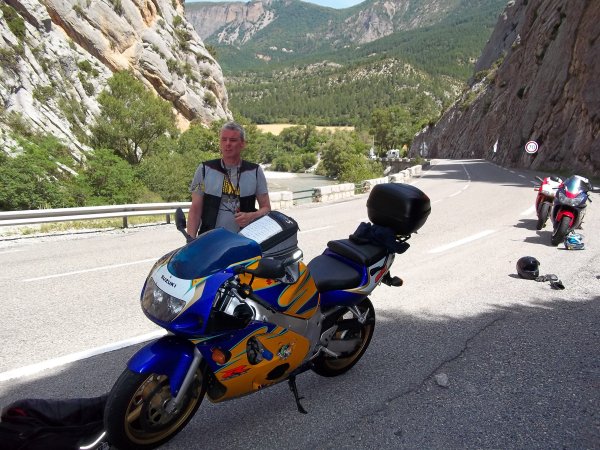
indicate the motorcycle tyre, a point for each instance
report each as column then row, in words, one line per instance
column 132, row 435
column 561, row 230
column 543, row 212
column 328, row 366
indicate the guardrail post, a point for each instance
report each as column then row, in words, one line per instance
column 168, row 219
column 125, row 222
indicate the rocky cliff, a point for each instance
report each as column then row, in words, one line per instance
column 237, row 23
column 56, row 55
column 230, row 23
column 537, row 79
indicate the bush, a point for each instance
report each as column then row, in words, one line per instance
column 33, row 179
column 111, row 180
column 15, row 22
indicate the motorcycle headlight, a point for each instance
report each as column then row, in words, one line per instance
column 562, row 198
column 160, row 305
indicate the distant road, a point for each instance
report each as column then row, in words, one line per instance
column 465, row 354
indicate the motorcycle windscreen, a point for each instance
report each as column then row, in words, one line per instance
column 575, row 184
column 212, row 252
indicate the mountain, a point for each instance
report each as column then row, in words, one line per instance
column 537, row 79
column 56, row 56
column 291, row 61
column 248, row 35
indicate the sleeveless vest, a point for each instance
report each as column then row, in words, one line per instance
column 212, row 200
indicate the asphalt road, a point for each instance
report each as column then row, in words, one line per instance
column 465, row 355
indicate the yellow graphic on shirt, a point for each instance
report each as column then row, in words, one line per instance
column 229, row 189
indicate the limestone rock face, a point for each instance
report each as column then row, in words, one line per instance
column 56, row 56
column 237, row 23
column 539, row 81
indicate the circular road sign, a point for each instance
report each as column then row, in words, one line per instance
column 531, row 147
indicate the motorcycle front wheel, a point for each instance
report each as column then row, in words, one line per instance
column 136, row 417
column 561, row 230
column 351, row 331
column 543, row 212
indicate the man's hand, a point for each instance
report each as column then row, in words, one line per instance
column 244, row 218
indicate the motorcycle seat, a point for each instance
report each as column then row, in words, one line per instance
column 331, row 274
column 364, row 254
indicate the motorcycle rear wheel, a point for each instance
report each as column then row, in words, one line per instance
column 543, row 212
column 330, row 366
column 561, row 230
column 135, row 416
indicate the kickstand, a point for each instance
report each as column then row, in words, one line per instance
column 294, row 389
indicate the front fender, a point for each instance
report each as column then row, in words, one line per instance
column 565, row 212
column 169, row 355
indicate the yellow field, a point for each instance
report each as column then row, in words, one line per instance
column 276, row 128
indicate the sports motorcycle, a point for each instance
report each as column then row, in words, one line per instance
column 244, row 312
column 545, row 198
column 569, row 206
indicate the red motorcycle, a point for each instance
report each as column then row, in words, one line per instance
column 543, row 202
column 569, row 206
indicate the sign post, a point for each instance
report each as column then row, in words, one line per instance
column 531, row 147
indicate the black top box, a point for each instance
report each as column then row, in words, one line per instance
column 401, row 207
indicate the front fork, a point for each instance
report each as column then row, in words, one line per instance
column 175, row 403
column 177, row 358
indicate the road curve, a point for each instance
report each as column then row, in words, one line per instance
column 465, row 354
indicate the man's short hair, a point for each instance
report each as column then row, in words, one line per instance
column 234, row 126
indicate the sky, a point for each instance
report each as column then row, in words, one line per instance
column 338, row 4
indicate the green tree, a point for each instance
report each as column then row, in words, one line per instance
column 344, row 158
column 132, row 119
column 304, row 138
column 36, row 178
column 391, row 127
column 197, row 138
column 111, row 180
column 169, row 173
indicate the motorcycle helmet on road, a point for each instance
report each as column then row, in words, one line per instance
column 528, row 267
column 574, row 241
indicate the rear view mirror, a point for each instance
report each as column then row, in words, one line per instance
column 180, row 222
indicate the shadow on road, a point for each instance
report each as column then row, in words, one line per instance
column 528, row 224
column 517, row 377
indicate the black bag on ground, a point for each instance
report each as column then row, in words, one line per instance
column 38, row 424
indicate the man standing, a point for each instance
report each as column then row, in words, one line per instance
column 224, row 191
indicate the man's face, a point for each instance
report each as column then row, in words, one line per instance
column 231, row 144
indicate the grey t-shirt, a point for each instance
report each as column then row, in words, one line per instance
column 229, row 187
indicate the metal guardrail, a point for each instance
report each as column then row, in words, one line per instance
column 39, row 216
column 303, row 196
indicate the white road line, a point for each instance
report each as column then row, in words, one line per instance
column 67, row 359
column 462, row 241
column 315, row 229
column 66, row 274
column 528, row 211
column 455, row 194
column 10, row 251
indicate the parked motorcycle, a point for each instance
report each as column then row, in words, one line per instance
column 569, row 206
column 545, row 198
column 244, row 312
